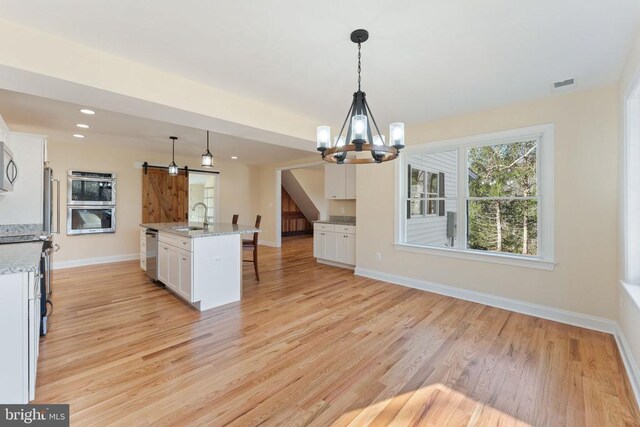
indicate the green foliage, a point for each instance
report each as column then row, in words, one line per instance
column 503, row 170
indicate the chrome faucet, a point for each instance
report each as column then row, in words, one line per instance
column 206, row 213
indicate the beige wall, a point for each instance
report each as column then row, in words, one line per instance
column 584, row 279
column 235, row 196
column 312, row 182
column 585, row 208
column 342, row 207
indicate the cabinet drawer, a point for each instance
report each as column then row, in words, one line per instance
column 324, row 227
column 184, row 243
column 348, row 229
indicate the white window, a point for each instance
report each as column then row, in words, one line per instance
column 487, row 197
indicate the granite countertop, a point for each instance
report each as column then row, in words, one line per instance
column 328, row 221
column 214, row 229
column 20, row 257
column 338, row 220
column 21, row 232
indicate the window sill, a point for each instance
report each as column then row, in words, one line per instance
column 633, row 291
column 492, row 258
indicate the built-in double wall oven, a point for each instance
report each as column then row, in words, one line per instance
column 91, row 202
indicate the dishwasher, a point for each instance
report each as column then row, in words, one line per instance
column 151, row 236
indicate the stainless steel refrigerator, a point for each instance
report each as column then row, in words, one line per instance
column 49, row 207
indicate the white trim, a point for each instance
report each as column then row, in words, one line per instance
column 633, row 371
column 268, row 243
column 544, row 134
column 550, row 313
column 93, row 261
column 479, row 256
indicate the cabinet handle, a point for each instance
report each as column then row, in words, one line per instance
column 184, row 259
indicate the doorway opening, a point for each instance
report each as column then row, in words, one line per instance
column 203, row 188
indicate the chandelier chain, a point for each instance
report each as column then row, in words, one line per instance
column 359, row 66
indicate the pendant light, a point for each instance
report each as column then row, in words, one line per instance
column 173, row 168
column 207, row 157
column 362, row 133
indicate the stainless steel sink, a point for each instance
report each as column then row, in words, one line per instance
column 187, row 228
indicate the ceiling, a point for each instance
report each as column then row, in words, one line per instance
column 57, row 120
column 424, row 59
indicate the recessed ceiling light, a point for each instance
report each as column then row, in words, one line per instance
column 234, row 157
column 87, row 111
column 82, row 125
column 77, row 135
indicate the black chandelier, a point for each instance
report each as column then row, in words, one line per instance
column 359, row 135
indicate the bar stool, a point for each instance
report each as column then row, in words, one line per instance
column 253, row 244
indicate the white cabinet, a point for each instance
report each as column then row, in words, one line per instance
column 345, row 248
column 143, row 248
column 173, row 277
column 323, row 245
column 23, row 205
column 175, row 266
column 336, row 243
column 20, row 332
column 350, row 181
column 339, row 181
column 185, row 288
column 205, row 271
column 163, row 262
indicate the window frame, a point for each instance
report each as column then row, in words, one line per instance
column 544, row 134
column 428, row 195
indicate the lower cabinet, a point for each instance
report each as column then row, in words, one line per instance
column 333, row 242
column 163, row 262
column 185, row 285
column 174, row 268
column 20, row 332
column 143, row 248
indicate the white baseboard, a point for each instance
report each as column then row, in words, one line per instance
column 551, row 313
column 268, row 243
column 92, row 261
column 630, row 364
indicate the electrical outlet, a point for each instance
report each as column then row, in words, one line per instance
column 379, row 256
column 341, row 210
column 217, row 259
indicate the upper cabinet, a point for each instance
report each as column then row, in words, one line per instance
column 339, row 181
column 23, row 205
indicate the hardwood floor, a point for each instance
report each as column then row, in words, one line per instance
column 313, row 344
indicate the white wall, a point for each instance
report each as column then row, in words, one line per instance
column 584, row 279
column 236, row 196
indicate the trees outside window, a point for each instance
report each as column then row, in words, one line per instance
column 502, row 212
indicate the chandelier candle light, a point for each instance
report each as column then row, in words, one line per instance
column 207, row 157
column 173, row 168
column 359, row 136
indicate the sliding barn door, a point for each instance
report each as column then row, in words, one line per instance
column 164, row 198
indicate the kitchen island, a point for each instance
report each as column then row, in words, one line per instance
column 200, row 264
